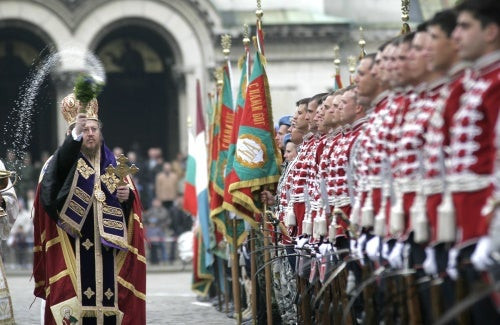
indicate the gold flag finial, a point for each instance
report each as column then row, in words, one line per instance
column 351, row 63
column 219, row 75
column 361, row 43
column 405, row 16
column 259, row 13
column 336, row 58
column 225, row 42
column 246, row 35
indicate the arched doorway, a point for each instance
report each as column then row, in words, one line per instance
column 139, row 104
column 21, row 51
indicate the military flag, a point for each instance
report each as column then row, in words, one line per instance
column 228, row 204
column 196, row 201
column 257, row 159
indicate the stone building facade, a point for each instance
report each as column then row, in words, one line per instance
column 153, row 51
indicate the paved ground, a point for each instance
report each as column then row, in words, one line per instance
column 169, row 300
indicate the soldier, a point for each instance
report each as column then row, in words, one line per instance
column 443, row 60
column 472, row 142
column 283, row 128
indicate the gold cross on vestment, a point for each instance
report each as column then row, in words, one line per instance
column 122, row 169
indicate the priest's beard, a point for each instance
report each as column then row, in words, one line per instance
column 90, row 153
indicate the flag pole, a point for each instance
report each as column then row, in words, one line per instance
column 253, row 271
column 235, row 275
column 269, row 308
column 267, row 270
column 226, row 49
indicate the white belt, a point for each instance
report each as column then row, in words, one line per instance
column 432, row 186
column 342, row 201
column 468, row 182
column 375, row 181
column 407, row 185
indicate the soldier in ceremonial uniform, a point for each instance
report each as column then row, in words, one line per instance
column 443, row 60
column 472, row 143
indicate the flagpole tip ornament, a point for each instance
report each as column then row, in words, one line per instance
column 336, row 59
column 246, row 35
column 218, row 74
column 226, row 45
column 405, row 16
column 189, row 122
column 361, row 43
column 351, row 62
column 259, row 12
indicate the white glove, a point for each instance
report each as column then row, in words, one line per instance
column 451, row 269
column 372, row 248
column 385, row 251
column 324, row 249
column 353, row 243
column 396, row 256
column 481, row 258
column 430, row 266
column 301, row 242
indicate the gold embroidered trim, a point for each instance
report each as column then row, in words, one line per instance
column 88, row 311
column 87, row 244
column 109, row 294
column 69, row 255
column 117, row 212
column 82, row 195
column 52, row 242
column 77, row 208
column 58, row 276
column 111, row 181
column 37, row 249
column 136, row 217
column 113, row 224
column 84, row 169
column 89, row 293
column 131, row 287
column 39, row 284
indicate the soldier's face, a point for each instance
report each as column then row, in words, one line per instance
column 91, row 136
column 319, row 118
column 391, row 66
column 329, row 110
column 365, row 81
column 401, row 65
column 470, row 36
column 282, row 131
column 290, row 151
column 300, row 117
column 419, row 56
column 347, row 107
column 376, row 69
column 311, row 113
column 384, row 74
column 442, row 49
